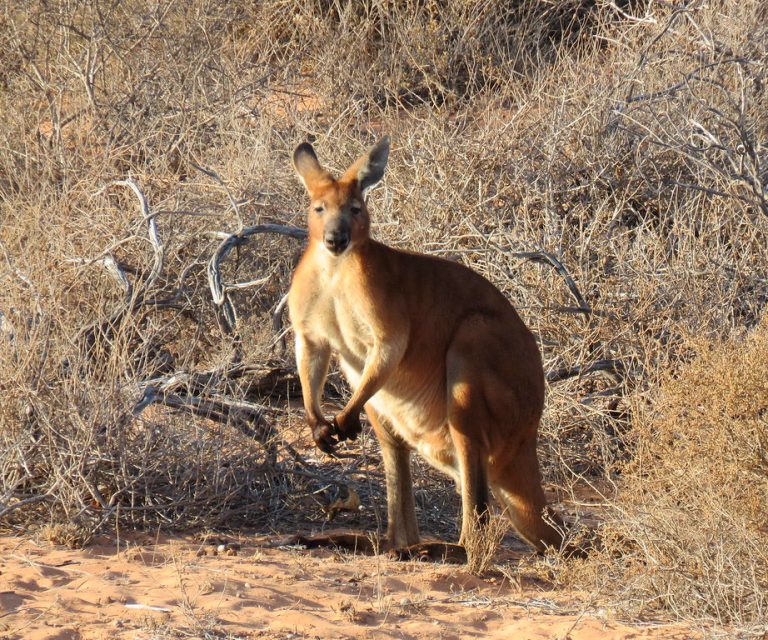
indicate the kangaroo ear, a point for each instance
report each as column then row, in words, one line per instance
column 307, row 165
column 368, row 169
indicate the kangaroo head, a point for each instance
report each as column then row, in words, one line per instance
column 338, row 217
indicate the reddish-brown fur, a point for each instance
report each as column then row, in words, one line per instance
column 436, row 355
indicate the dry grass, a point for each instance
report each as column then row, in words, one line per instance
column 484, row 542
column 689, row 528
column 628, row 140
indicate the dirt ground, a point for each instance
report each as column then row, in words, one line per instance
column 175, row 587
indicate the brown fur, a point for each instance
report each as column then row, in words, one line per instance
column 436, row 355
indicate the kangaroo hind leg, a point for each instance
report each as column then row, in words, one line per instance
column 402, row 528
column 467, row 419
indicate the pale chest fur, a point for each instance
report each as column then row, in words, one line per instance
column 332, row 311
column 330, row 317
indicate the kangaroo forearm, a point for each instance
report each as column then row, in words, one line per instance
column 380, row 365
column 367, row 389
column 312, row 362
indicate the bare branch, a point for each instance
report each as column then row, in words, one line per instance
column 6, row 509
column 207, row 394
column 277, row 322
column 152, row 232
column 615, row 368
column 218, row 289
column 548, row 258
column 244, row 415
column 111, row 265
column 245, row 285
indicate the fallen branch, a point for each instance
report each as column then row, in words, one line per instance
column 25, row 502
column 219, row 290
column 246, row 416
column 209, row 394
column 615, row 368
column 253, row 382
column 548, row 258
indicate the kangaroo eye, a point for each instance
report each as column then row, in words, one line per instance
column 356, row 211
column 319, row 208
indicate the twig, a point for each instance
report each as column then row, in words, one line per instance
column 23, row 503
column 135, row 295
column 212, row 174
column 154, row 236
column 31, row 500
column 218, row 409
column 277, row 322
column 206, row 394
column 548, row 258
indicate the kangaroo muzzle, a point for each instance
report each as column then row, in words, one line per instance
column 336, row 240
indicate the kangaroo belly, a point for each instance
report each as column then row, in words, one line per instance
column 416, row 414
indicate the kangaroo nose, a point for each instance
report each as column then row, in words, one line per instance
column 336, row 241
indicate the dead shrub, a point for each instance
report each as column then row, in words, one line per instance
column 603, row 163
column 689, row 533
column 484, row 542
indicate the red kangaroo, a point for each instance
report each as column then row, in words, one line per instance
column 436, row 355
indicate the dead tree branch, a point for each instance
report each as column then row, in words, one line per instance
column 545, row 257
column 219, row 290
column 277, row 322
column 615, row 368
column 212, row 174
column 245, row 416
column 135, row 295
column 232, row 394
column 228, row 395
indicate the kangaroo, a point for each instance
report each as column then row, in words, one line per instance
column 436, row 355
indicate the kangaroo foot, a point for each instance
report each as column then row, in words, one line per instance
column 431, row 552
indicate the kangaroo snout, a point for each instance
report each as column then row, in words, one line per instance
column 336, row 240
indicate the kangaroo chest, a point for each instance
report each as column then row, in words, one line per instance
column 338, row 315
column 333, row 318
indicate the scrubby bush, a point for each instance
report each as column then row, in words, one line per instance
column 689, row 532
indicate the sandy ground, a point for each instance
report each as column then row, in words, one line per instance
column 162, row 588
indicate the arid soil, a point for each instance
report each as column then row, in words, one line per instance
column 174, row 587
